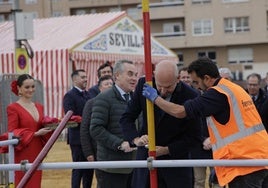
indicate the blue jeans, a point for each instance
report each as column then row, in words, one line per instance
column 252, row 180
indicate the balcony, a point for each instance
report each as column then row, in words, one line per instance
column 171, row 40
column 99, row 3
column 159, row 35
column 166, row 10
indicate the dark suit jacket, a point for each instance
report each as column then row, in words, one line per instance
column 180, row 135
column 261, row 104
column 89, row 146
column 75, row 101
column 94, row 91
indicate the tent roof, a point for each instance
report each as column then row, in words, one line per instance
column 58, row 33
column 85, row 34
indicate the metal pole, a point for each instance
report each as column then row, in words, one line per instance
column 9, row 142
column 138, row 164
column 11, row 154
column 45, row 150
column 149, row 105
column 15, row 9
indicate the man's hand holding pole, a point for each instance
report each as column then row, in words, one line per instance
column 149, row 92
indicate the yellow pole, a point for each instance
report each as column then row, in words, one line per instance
column 148, row 75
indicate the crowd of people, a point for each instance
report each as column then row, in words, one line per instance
column 199, row 113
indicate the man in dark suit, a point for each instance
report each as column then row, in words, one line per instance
column 172, row 141
column 259, row 96
column 74, row 100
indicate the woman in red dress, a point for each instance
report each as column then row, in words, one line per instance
column 25, row 120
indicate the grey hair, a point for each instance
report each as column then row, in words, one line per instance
column 118, row 66
column 225, row 70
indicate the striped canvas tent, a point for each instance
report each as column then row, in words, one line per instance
column 73, row 42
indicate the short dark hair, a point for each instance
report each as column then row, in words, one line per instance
column 255, row 75
column 103, row 78
column 204, row 66
column 183, row 69
column 76, row 72
column 106, row 64
column 23, row 77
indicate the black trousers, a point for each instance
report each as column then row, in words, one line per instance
column 79, row 176
column 252, row 180
column 113, row 180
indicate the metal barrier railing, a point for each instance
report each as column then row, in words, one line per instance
column 137, row 164
column 40, row 156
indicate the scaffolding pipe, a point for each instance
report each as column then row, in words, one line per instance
column 11, row 154
column 45, row 150
column 9, row 142
column 138, row 164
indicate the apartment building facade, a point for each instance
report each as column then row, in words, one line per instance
column 233, row 33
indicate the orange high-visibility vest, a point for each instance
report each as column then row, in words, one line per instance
column 242, row 137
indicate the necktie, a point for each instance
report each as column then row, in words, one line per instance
column 84, row 93
column 253, row 98
column 126, row 95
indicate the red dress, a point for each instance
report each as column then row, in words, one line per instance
column 21, row 122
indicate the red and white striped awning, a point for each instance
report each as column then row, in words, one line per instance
column 91, row 61
column 59, row 43
column 51, row 68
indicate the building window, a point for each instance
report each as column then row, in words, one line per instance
column 174, row 27
column 180, row 57
column 133, row 13
column 202, row 27
column 35, row 15
column 80, row 12
column 5, row 17
column 93, row 11
column 208, row 53
column 27, row 2
column 201, row 1
column 240, row 55
column 2, row 18
column 57, row 14
column 114, row 9
column 236, row 25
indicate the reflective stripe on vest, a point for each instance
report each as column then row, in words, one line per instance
column 243, row 131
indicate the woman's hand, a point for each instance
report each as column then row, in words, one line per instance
column 42, row 131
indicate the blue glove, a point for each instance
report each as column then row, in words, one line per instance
column 149, row 92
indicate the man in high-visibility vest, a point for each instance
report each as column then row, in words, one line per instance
column 235, row 127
